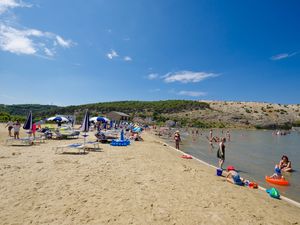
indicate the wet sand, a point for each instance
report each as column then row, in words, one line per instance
column 145, row 183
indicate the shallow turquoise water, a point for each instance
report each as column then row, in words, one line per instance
column 254, row 154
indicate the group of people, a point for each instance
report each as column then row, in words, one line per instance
column 14, row 129
column 15, row 126
column 283, row 166
column 232, row 175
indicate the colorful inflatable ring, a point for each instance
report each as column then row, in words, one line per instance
column 281, row 181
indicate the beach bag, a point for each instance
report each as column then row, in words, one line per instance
column 274, row 193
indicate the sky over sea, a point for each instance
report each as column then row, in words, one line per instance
column 67, row 52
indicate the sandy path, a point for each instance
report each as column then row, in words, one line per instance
column 145, row 183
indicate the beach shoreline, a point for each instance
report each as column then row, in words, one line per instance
column 144, row 183
column 289, row 200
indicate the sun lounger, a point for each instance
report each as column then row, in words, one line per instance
column 66, row 134
column 105, row 137
column 25, row 141
column 19, row 142
column 79, row 147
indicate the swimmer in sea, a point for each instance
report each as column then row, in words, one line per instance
column 284, row 164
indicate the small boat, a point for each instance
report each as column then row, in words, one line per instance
column 281, row 181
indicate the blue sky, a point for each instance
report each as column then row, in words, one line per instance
column 73, row 52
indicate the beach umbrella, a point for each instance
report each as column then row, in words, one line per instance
column 99, row 119
column 58, row 119
column 28, row 123
column 85, row 126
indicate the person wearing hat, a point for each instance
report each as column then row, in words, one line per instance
column 177, row 139
column 233, row 176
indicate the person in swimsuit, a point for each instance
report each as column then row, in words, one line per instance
column 233, row 176
column 9, row 126
column 17, row 127
column 221, row 152
column 277, row 173
column 284, row 164
column 228, row 135
column 177, row 139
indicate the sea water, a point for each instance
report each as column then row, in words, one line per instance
column 253, row 153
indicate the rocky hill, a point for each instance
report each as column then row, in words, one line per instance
column 185, row 112
column 244, row 114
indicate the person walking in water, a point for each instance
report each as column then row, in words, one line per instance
column 228, row 135
column 10, row 126
column 221, row 152
column 177, row 139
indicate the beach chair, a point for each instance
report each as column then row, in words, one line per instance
column 106, row 137
column 19, row 142
column 78, row 147
column 66, row 134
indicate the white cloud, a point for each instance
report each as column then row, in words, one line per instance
column 5, row 5
column 64, row 43
column 14, row 38
column 29, row 41
column 187, row 76
column 112, row 54
column 152, row 76
column 15, row 41
column 49, row 52
column 127, row 58
column 192, row 93
column 283, row 56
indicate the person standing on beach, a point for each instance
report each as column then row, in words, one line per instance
column 9, row 126
column 17, row 127
column 221, row 152
column 177, row 139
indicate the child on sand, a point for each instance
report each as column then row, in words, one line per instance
column 233, row 176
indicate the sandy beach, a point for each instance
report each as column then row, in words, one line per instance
column 144, row 183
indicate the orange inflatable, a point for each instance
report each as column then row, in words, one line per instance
column 281, row 181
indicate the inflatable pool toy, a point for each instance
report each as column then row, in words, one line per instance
column 281, row 181
column 120, row 142
column 273, row 192
column 253, row 185
column 186, row 157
